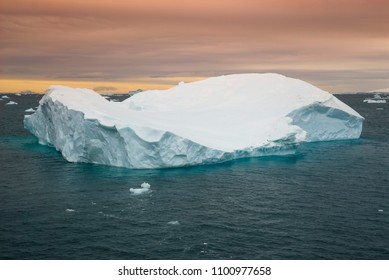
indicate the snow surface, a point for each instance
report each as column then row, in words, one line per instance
column 209, row 121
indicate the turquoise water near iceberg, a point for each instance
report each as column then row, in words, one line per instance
column 329, row 201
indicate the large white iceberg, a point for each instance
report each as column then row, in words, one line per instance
column 209, row 121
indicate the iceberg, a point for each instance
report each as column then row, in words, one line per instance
column 208, row 121
column 11, row 103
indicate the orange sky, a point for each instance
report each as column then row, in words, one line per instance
column 129, row 44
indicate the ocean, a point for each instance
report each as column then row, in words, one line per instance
column 329, row 201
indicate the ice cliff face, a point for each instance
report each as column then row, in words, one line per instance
column 214, row 120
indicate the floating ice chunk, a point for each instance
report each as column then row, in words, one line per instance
column 5, row 97
column 70, row 210
column 209, row 121
column 174, row 223
column 380, row 210
column 138, row 191
column 144, row 188
column 11, row 103
column 30, row 110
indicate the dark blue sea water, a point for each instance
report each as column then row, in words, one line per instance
column 329, row 201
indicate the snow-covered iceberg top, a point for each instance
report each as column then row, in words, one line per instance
column 208, row 121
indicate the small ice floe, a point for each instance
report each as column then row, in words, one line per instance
column 380, row 210
column 380, row 108
column 138, row 191
column 174, row 223
column 31, row 110
column 11, row 103
column 5, row 97
column 70, row 210
column 144, row 188
column 115, row 100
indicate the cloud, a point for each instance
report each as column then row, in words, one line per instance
column 119, row 40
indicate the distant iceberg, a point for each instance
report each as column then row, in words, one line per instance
column 173, row 223
column 382, row 90
column 376, row 99
column 11, row 103
column 209, row 121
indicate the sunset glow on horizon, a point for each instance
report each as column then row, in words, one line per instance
column 123, row 45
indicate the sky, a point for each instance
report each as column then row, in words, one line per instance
column 121, row 45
